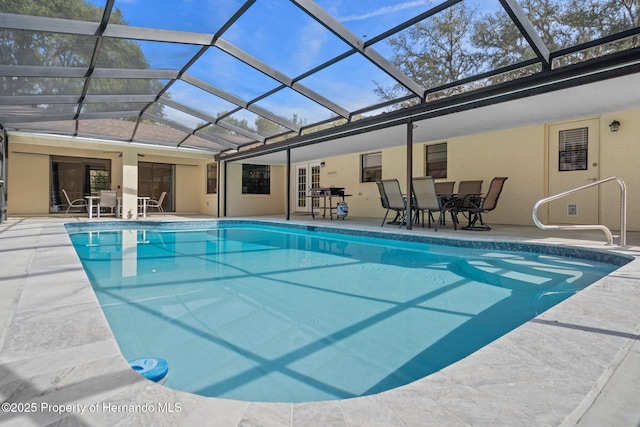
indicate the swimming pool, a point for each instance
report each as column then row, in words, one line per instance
column 249, row 311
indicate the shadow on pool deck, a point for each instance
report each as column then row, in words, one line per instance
column 577, row 364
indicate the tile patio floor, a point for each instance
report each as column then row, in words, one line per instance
column 577, row 364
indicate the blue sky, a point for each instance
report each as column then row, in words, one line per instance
column 269, row 20
column 278, row 33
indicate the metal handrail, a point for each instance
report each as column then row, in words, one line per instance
column 607, row 232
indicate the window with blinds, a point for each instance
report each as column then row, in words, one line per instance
column 371, row 167
column 436, row 160
column 573, row 149
column 212, row 178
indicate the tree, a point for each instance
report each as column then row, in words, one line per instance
column 592, row 19
column 64, row 50
column 267, row 127
column 561, row 25
column 436, row 51
column 459, row 42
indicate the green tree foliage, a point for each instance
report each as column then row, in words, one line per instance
column 267, row 127
column 434, row 52
column 22, row 47
column 461, row 42
column 261, row 126
column 241, row 123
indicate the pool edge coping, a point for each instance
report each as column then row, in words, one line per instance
column 604, row 255
column 352, row 410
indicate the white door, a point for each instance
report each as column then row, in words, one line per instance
column 574, row 149
column 307, row 177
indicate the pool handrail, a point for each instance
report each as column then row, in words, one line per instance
column 605, row 229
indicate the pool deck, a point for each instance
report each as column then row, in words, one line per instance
column 577, row 364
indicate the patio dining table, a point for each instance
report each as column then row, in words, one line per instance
column 90, row 200
column 458, row 201
column 142, row 205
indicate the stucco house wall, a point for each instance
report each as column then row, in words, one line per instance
column 521, row 153
column 239, row 204
column 29, row 172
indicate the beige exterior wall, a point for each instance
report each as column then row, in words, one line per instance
column 29, row 173
column 475, row 157
column 239, row 204
column 344, row 171
column 520, row 154
column 28, row 179
column 619, row 154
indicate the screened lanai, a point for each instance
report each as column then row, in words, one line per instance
column 228, row 76
column 247, row 78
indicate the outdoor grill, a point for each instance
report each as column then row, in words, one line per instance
column 327, row 191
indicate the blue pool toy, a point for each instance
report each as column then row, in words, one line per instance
column 154, row 369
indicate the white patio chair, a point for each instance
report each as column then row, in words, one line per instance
column 157, row 203
column 109, row 200
column 76, row 203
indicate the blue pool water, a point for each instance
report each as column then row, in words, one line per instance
column 263, row 313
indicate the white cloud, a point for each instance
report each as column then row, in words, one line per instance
column 312, row 40
column 385, row 10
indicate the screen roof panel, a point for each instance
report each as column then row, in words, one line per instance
column 121, row 129
column 576, row 22
column 203, row 16
column 254, row 124
column 370, row 19
column 293, row 46
column 351, row 82
column 199, row 99
column 198, row 142
column 141, row 54
column 42, row 48
column 231, row 75
column 184, row 119
column 253, row 73
column 224, row 136
column 17, row 86
column 77, row 10
column 294, row 107
column 108, row 86
column 152, row 131
column 66, row 127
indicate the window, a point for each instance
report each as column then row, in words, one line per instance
column 436, row 160
column 154, row 179
column 212, row 178
column 256, row 179
column 371, row 167
column 79, row 177
column 573, row 149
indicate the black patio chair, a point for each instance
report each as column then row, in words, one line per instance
column 392, row 200
column 474, row 209
column 426, row 199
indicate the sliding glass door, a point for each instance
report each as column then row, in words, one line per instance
column 79, row 177
column 156, row 178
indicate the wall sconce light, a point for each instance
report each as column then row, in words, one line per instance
column 614, row 126
column 322, row 164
